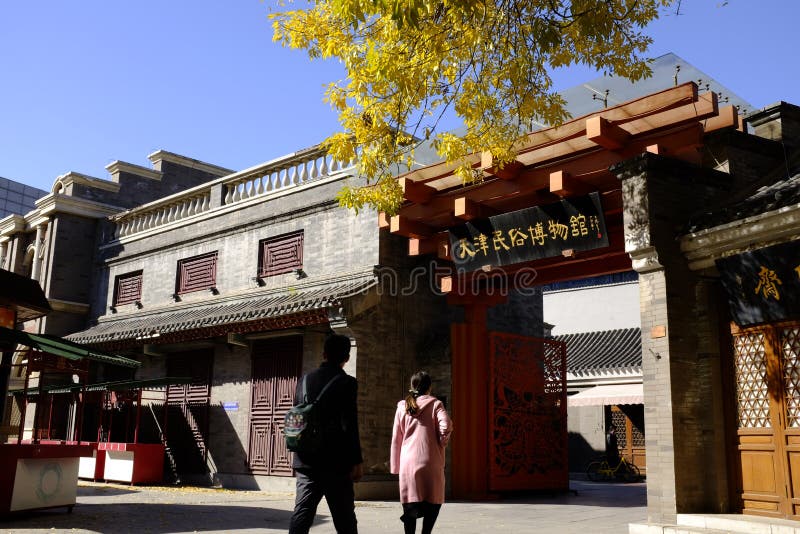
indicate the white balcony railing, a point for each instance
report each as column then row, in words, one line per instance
column 273, row 178
column 163, row 214
column 263, row 180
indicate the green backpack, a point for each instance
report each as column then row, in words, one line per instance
column 302, row 427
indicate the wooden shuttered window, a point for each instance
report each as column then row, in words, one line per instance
column 128, row 288
column 280, row 254
column 197, row 273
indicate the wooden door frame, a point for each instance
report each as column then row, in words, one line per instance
column 253, row 357
column 780, row 431
column 630, row 452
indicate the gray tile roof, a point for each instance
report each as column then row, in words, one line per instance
column 273, row 304
column 608, row 350
column 768, row 198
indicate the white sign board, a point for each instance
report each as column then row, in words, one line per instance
column 45, row 482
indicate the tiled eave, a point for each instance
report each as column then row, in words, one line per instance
column 702, row 248
column 612, row 352
column 284, row 308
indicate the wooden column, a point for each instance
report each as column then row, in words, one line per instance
column 470, row 394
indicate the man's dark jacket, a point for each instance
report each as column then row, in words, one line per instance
column 338, row 408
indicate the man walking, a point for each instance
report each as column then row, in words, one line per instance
column 331, row 471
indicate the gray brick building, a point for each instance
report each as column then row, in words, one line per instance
column 233, row 279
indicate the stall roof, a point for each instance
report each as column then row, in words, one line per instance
column 117, row 385
column 608, row 395
column 64, row 348
column 24, row 295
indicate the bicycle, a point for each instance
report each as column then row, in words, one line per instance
column 599, row 470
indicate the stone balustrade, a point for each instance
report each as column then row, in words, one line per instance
column 263, row 180
column 280, row 175
column 163, row 214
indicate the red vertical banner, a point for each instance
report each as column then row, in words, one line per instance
column 527, row 413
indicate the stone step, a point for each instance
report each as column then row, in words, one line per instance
column 719, row 524
column 653, row 528
column 739, row 524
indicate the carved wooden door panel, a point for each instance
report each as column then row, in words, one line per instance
column 188, row 410
column 757, row 371
column 528, row 417
column 276, row 368
column 788, row 338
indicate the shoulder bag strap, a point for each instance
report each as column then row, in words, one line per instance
column 329, row 384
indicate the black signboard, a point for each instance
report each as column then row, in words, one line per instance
column 763, row 285
column 530, row 234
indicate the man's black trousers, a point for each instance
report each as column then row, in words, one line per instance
column 337, row 488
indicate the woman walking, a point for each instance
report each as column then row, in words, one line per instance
column 421, row 431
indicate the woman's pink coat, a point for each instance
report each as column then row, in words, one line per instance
column 418, row 443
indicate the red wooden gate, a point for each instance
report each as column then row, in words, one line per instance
column 528, row 413
column 276, row 367
column 188, row 409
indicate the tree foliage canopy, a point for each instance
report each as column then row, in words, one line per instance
column 489, row 61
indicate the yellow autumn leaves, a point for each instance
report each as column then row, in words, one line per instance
column 408, row 62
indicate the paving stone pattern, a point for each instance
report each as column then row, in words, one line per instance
column 598, row 508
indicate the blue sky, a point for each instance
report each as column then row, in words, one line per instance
column 88, row 82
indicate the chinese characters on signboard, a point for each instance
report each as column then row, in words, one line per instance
column 530, row 234
column 763, row 285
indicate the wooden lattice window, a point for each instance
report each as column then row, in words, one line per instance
column 790, row 348
column 280, row 254
column 752, row 392
column 197, row 273
column 128, row 288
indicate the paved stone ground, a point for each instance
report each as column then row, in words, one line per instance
column 598, row 508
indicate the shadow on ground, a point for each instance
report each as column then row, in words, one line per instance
column 93, row 491
column 154, row 518
column 580, row 493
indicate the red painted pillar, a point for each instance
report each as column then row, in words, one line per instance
column 470, row 394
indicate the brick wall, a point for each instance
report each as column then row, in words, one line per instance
column 335, row 241
column 407, row 331
column 681, row 369
column 521, row 314
column 229, row 430
column 70, row 258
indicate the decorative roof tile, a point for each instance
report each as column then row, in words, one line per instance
column 273, row 304
column 592, row 352
column 772, row 197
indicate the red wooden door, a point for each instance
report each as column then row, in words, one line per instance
column 188, row 410
column 276, row 368
column 527, row 413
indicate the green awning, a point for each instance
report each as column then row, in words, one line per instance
column 62, row 347
column 116, row 385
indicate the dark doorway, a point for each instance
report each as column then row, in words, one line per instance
column 187, row 411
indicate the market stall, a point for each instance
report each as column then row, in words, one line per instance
column 117, row 450
column 40, row 471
